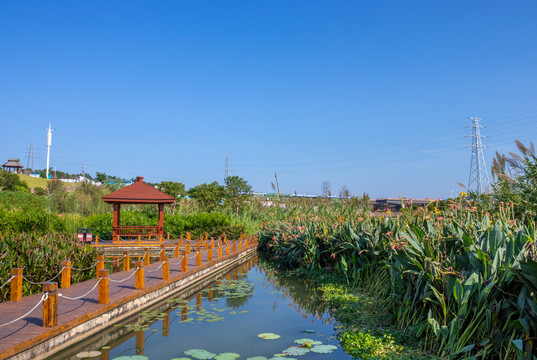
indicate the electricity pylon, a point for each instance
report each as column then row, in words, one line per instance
column 479, row 178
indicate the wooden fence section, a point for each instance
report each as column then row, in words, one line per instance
column 27, row 322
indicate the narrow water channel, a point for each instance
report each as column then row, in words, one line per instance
column 250, row 312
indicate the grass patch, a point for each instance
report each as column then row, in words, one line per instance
column 365, row 330
column 34, row 182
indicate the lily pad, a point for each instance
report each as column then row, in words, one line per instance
column 88, row 354
column 296, row 351
column 324, row 349
column 269, row 336
column 180, row 359
column 307, row 331
column 227, row 356
column 257, row 358
column 200, row 354
column 308, row 341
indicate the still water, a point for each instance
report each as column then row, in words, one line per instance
column 223, row 321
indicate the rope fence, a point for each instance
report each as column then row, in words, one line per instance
column 50, row 296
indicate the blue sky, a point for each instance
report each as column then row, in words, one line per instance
column 373, row 95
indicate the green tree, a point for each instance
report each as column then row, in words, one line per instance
column 175, row 189
column 238, row 192
column 208, row 196
column 12, row 182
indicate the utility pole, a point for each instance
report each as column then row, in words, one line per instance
column 49, row 143
column 84, row 171
column 479, row 178
column 228, row 167
column 277, row 185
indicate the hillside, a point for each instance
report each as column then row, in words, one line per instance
column 34, row 182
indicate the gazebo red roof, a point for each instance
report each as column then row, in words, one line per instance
column 138, row 193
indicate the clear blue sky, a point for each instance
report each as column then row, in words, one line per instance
column 373, row 95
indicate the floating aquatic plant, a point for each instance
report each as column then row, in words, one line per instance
column 307, row 331
column 269, row 336
column 296, row 351
column 88, row 354
column 227, row 356
column 324, row 349
column 307, row 341
column 200, row 354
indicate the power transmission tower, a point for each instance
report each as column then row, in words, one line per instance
column 228, row 167
column 30, row 155
column 479, row 178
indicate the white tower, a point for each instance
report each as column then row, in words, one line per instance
column 49, row 143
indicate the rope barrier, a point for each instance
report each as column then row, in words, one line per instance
column 42, row 282
column 150, row 271
column 120, row 281
column 7, row 282
column 90, row 267
column 81, row 296
column 109, row 261
column 180, row 259
column 43, row 298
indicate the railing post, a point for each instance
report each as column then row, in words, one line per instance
column 184, row 262
column 140, row 275
column 210, row 255
column 240, row 245
column 146, row 257
column 100, row 264
column 162, row 252
column 176, row 250
column 126, row 261
column 16, row 284
column 181, row 240
column 165, row 268
column 219, row 252
column 168, row 235
column 227, row 250
column 104, row 293
column 115, row 264
column 139, row 240
column 50, row 305
column 188, row 236
column 234, row 246
column 66, row 274
column 188, row 249
column 198, row 258
column 96, row 240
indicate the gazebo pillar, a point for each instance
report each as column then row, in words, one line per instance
column 116, row 221
column 160, row 220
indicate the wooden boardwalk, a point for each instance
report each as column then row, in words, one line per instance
column 29, row 332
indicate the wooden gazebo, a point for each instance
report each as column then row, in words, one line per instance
column 138, row 193
column 13, row 166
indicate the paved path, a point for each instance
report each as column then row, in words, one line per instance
column 28, row 332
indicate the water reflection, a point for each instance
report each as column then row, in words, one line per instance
column 223, row 316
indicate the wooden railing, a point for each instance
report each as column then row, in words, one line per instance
column 138, row 230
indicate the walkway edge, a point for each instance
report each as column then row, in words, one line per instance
column 61, row 337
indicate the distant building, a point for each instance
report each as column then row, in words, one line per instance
column 13, row 166
column 396, row 204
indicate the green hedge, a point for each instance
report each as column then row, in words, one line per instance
column 41, row 258
column 30, row 220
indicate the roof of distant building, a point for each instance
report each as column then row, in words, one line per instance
column 13, row 163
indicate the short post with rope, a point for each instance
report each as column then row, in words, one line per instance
column 16, row 284
column 188, row 250
column 104, row 289
column 220, row 251
column 206, row 245
column 126, row 261
column 240, row 245
column 234, row 246
column 162, row 252
column 146, row 257
column 100, row 264
column 181, row 240
column 115, row 264
column 227, row 250
column 140, row 275
column 168, row 235
column 165, row 268
column 50, row 304
column 184, row 262
column 66, row 274
column 198, row 258
column 188, row 236
column 176, row 250
column 96, row 240
column 210, row 255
